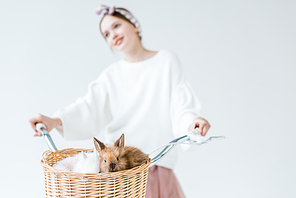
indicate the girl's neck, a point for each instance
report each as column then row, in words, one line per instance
column 138, row 54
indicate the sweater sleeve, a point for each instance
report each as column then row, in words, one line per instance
column 185, row 105
column 87, row 116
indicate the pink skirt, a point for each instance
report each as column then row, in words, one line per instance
column 162, row 183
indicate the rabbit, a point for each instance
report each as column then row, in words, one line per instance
column 118, row 157
column 83, row 162
column 90, row 163
column 68, row 163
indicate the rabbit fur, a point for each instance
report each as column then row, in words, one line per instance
column 83, row 162
column 118, row 157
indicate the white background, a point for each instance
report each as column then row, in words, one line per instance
column 239, row 57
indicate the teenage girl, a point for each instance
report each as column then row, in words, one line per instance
column 144, row 95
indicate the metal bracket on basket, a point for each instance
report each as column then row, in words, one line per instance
column 42, row 129
column 194, row 137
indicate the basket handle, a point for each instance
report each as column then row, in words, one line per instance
column 40, row 127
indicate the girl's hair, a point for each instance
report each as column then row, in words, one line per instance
column 119, row 15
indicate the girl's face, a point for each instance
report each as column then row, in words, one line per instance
column 119, row 34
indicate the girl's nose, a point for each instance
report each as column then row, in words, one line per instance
column 115, row 36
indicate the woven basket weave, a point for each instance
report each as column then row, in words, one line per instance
column 58, row 183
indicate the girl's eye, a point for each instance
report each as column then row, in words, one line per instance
column 105, row 161
column 115, row 27
column 117, row 158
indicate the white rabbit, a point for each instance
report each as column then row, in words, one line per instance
column 89, row 164
column 68, row 163
column 83, row 162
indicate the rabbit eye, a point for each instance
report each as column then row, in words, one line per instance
column 117, row 158
column 105, row 161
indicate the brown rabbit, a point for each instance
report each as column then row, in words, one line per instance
column 119, row 157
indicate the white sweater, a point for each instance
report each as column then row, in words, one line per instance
column 149, row 101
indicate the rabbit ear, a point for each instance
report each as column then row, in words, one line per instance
column 99, row 145
column 120, row 142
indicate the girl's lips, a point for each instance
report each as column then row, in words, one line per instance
column 119, row 41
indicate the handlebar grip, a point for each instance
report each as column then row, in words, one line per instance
column 40, row 127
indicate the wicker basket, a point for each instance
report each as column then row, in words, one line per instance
column 58, row 183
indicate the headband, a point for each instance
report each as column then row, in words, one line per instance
column 110, row 10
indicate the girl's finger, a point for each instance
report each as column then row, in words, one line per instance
column 33, row 123
column 34, row 127
column 37, row 134
column 196, row 125
column 201, row 128
column 205, row 130
column 207, row 127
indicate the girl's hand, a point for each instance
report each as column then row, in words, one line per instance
column 50, row 123
column 202, row 124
